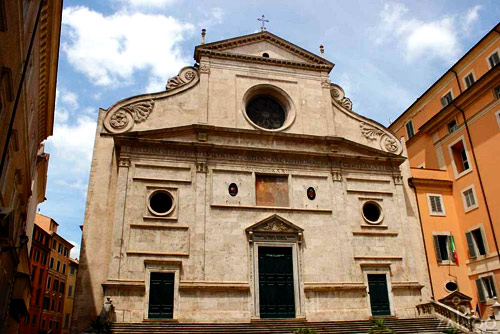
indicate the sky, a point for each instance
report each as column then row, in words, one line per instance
column 386, row 54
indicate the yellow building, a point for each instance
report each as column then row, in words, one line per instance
column 29, row 47
column 452, row 135
column 70, row 296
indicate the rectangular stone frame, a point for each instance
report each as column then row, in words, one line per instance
column 379, row 269
column 297, row 277
column 162, row 267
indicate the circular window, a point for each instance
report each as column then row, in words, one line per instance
column 265, row 55
column 372, row 212
column 266, row 112
column 161, row 203
column 268, row 108
column 451, row 286
column 311, row 193
column 233, row 189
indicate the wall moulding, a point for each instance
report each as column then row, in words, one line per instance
column 333, row 286
column 214, row 285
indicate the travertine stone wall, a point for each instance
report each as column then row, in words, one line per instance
column 193, row 141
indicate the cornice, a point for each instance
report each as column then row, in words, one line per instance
column 216, row 49
column 49, row 38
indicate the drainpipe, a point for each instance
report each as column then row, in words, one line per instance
column 410, row 183
column 20, row 87
column 477, row 166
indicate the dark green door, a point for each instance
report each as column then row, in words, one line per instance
column 161, row 295
column 276, row 295
column 379, row 298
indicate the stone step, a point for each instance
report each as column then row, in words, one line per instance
column 280, row 326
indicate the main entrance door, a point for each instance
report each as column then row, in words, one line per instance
column 379, row 298
column 276, row 292
column 161, row 295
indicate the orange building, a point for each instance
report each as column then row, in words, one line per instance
column 452, row 135
column 46, row 312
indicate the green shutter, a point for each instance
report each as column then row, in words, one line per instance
column 436, row 247
column 480, row 290
column 470, row 244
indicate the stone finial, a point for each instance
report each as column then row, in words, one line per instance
column 203, row 34
column 322, row 50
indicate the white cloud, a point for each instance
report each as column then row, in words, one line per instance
column 150, row 3
column 69, row 98
column 422, row 40
column 111, row 49
column 212, row 17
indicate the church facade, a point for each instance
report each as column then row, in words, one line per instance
column 248, row 189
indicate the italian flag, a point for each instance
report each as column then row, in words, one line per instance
column 453, row 249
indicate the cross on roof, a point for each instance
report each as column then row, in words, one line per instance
column 263, row 20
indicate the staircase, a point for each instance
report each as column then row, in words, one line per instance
column 401, row 326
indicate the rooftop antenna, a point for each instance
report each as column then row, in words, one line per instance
column 203, row 34
column 263, row 20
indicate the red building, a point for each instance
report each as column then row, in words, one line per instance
column 39, row 261
column 50, row 266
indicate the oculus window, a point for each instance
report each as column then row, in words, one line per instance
column 266, row 112
column 372, row 212
column 271, row 190
column 161, row 203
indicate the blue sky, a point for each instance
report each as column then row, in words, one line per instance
column 386, row 55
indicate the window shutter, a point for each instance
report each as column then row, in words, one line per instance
column 436, row 247
column 493, row 286
column 444, row 101
column 470, row 244
column 480, row 290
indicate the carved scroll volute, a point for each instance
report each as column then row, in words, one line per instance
column 124, row 118
column 386, row 142
column 338, row 95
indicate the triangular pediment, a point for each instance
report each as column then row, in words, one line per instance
column 455, row 297
column 274, row 224
column 253, row 47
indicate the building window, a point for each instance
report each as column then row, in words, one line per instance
column 266, row 112
column 469, row 199
column 476, row 243
column 469, row 80
column 452, row 126
column 37, row 297
column 71, row 271
column 54, row 244
column 46, row 303
column 271, row 190
column 494, row 59
column 59, row 304
column 56, row 285
column 66, row 251
column 497, row 92
column 64, row 268
column 48, row 282
column 446, row 99
column 36, row 255
column 459, row 157
column 161, row 203
column 409, row 129
column 33, row 322
column 66, row 320
column 435, row 202
column 33, row 273
column 62, row 286
column 40, row 276
column 52, row 304
column 58, row 265
column 70, row 290
column 51, row 265
column 44, row 258
column 372, row 212
column 497, row 116
column 445, row 248
column 486, row 288
column 60, row 249
column 43, row 323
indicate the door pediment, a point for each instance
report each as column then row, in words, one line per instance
column 274, row 228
